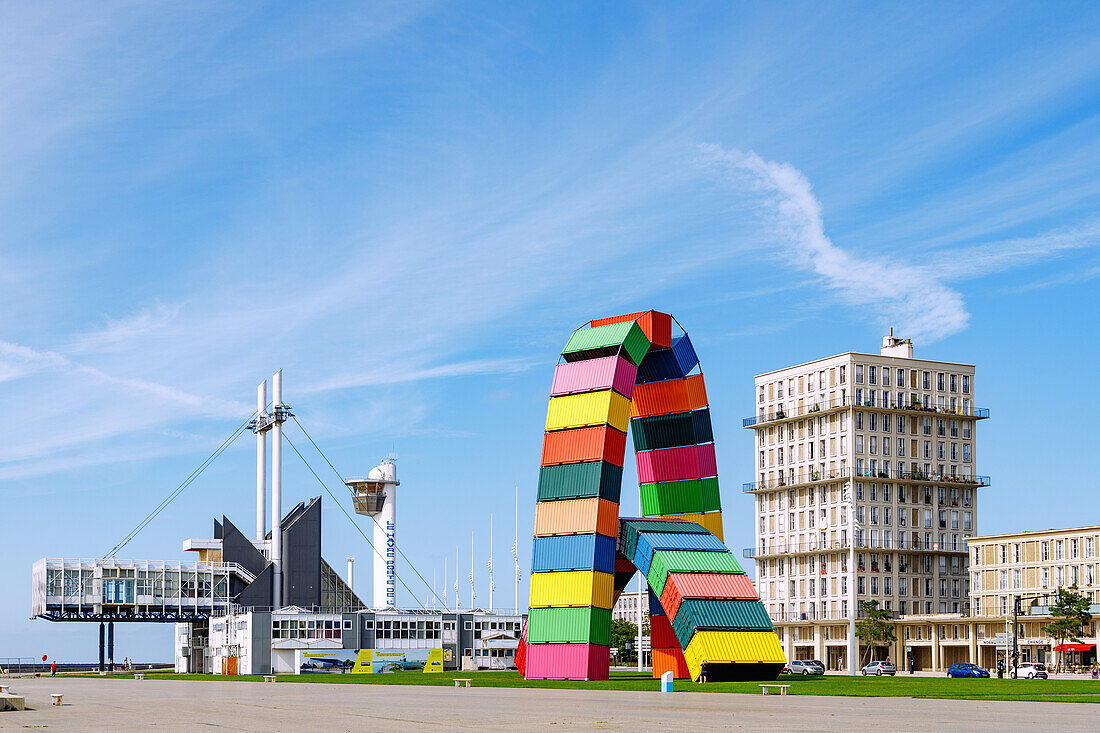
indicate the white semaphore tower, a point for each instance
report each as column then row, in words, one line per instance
column 376, row 497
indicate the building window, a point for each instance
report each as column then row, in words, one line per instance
column 859, row 374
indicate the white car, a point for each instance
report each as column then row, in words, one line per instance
column 1031, row 671
column 805, row 667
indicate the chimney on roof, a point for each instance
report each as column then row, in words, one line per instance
column 893, row 346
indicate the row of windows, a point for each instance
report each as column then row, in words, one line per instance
column 1063, row 575
column 805, row 384
column 921, row 379
column 872, row 585
column 813, row 564
column 1075, row 546
column 868, row 491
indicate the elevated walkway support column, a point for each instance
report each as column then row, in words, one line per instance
column 111, row 642
column 101, row 660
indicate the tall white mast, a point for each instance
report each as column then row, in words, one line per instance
column 492, row 585
column 515, row 554
column 435, row 598
column 473, row 595
column 444, row 582
column 261, row 464
column 457, row 566
column 277, row 491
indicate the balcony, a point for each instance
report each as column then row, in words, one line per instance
column 802, row 478
column 919, row 477
column 899, row 544
column 816, row 408
column 782, row 615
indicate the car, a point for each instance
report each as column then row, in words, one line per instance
column 966, row 669
column 805, row 667
column 879, row 668
column 1031, row 671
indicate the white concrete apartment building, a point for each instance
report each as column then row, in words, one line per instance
column 865, row 489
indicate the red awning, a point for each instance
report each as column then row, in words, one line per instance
column 1074, row 647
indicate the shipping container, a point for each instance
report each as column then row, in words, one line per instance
column 757, row 653
column 594, row 375
column 655, row 608
column 574, row 552
column 670, row 660
column 649, row 542
column 655, row 325
column 672, row 431
column 711, row 521
column 669, row 396
column 657, row 366
column 708, row 614
column 624, row 566
column 589, row 408
column 579, row 625
column 576, row 516
column 571, row 588
column 687, row 561
column 568, row 662
column 603, row 443
column 661, row 633
column 521, row 651
column 685, row 354
column 694, row 496
column 705, row 585
column 696, row 392
column 677, row 464
column 581, row 480
column 615, row 339
column 629, row 529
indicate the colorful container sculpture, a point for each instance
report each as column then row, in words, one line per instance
column 620, row 372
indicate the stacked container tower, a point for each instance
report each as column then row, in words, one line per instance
column 630, row 373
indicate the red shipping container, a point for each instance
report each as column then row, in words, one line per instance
column 593, row 375
column 623, row 564
column 655, row 325
column 568, row 662
column 676, row 464
column 578, row 445
column 661, row 634
column 705, row 585
column 670, row 660
column 521, row 651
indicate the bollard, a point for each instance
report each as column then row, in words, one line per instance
column 666, row 682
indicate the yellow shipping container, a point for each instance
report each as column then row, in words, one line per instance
column 740, row 647
column 572, row 588
column 589, row 408
column 711, row 521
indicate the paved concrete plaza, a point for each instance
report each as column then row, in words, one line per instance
column 93, row 704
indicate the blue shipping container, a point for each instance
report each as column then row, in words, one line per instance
column 648, row 542
column 685, row 354
column 574, row 552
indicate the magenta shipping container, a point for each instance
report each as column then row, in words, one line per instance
column 590, row 375
column 568, row 661
column 677, row 464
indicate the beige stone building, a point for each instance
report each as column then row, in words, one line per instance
column 865, row 487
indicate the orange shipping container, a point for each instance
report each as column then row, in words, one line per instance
column 655, row 325
column 577, row 516
column 670, row 660
column 669, row 396
column 697, row 391
column 603, row 443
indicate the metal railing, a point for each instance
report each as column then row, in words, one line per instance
column 786, row 413
column 802, row 477
column 808, row 477
column 899, row 543
column 931, row 477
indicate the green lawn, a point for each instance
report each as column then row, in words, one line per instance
column 1084, row 690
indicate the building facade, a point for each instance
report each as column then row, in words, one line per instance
column 865, row 489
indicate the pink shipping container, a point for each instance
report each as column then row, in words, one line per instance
column 568, row 662
column 704, row 585
column 677, row 464
column 591, row 375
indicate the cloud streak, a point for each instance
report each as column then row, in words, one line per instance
column 908, row 297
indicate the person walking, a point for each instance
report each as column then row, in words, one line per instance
column 53, row 669
column 703, row 673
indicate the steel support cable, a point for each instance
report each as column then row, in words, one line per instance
column 180, row 489
column 396, row 546
column 350, row 519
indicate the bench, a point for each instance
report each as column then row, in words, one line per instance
column 56, row 697
column 9, row 701
column 139, row 675
column 467, row 680
column 782, row 688
column 269, row 678
column 4, row 689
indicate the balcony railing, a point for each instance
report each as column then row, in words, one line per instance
column 894, row 543
column 785, row 413
column 802, row 477
column 931, row 477
column 786, row 616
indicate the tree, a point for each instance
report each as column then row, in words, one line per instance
column 624, row 637
column 876, row 629
column 1068, row 615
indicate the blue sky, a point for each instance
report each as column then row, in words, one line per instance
column 408, row 207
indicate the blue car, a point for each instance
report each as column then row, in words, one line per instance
column 966, row 669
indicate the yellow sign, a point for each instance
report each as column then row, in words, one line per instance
column 364, row 662
column 435, row 661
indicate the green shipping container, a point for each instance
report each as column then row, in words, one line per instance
column 681, row 497
column 579, row 625
column 672, row 431
column 701, row 614
column 688, row 561
column 592, row 343
column 580, row 481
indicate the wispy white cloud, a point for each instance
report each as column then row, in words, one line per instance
column 908, row 297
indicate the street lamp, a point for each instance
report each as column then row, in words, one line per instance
column 1015, row 615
